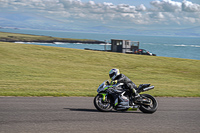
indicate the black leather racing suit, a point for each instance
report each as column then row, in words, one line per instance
column 127, row 82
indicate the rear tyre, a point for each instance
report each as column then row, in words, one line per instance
column 103, row 105
column 151, row 107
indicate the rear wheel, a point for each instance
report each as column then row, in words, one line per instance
column 103, row 105
column 150, row 105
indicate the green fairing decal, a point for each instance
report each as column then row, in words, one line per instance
column 116, row 101
column 108, row 87
column 105, row 88
column 104, row 96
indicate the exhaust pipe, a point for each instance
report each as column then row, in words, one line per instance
column 148, row 88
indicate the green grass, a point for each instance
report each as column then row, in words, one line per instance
column 32, row 70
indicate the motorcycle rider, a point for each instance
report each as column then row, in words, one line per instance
column 116, row 77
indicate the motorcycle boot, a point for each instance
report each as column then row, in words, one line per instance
column 131, row 99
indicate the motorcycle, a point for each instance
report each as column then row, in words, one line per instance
column 119, row 98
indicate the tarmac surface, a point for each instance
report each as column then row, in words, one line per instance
column 78, row 115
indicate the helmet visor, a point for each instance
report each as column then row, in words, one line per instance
column 111, row 75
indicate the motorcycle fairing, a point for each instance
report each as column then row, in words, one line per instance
column 114, row 96
column 116, row 101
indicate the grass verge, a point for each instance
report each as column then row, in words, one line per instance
column 32, row 70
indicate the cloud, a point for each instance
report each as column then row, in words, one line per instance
column 165, row 12
column 166, row 6
column 172, row 6
column 190, row 7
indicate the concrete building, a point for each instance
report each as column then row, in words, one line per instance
column 124, row 46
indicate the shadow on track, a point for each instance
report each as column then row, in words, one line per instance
column 86, row 110
column 95, row 110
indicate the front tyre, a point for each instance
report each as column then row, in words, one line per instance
column 103, row 105
column 151, row 107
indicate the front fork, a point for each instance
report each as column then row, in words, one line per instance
column 104, row 98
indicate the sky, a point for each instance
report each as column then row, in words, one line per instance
column 139, row 14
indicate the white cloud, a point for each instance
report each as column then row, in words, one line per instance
column 190, row 7
column 166, row 6
column 165, row 12
column 140, row 8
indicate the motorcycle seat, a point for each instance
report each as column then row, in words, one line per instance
column 143, row 85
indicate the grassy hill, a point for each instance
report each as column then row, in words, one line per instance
column 16, row 37
column 32, row 70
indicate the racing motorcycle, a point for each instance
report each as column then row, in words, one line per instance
column 119, row 98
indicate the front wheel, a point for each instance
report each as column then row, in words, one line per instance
column 149, row 107
column 103, row 105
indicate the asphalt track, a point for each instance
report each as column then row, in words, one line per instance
column 78, row 115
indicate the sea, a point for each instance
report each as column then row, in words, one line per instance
column 164, row 46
